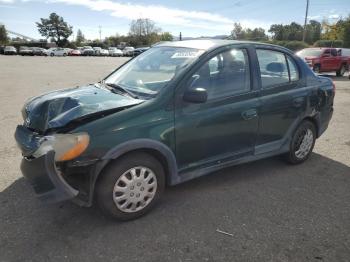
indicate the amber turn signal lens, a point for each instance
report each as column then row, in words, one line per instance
column 82, row 142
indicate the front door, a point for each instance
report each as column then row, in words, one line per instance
column 225, row 126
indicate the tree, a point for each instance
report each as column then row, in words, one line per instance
column 143, row 27
column 237, row 33
column 3, row 35
column 143, row 31
column 166, row 36
column 277, row 31
column 55, row 28
column 80, row 37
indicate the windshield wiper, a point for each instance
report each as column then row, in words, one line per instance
column 120, row 89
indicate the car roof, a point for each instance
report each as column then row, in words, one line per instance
column 207, row 44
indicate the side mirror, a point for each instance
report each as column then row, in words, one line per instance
column 196, row 95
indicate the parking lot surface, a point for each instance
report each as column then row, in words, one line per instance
column 273, row 211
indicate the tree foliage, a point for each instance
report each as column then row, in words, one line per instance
column 338, row 31
column 256, row 34
column 55, row 28
column 80, row 37
column 3, row 35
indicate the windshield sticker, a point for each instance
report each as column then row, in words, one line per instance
column 185, row 55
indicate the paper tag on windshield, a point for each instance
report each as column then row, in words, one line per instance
column 185, row 55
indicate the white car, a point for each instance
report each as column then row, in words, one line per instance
column 57, row 51
column 113, row 51
column 104, row 52
column 128, row 51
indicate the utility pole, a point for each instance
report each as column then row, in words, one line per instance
column 100, row 31
column 180, row 38
column 306, row 14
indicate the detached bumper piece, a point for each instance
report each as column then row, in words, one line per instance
column 46, row 180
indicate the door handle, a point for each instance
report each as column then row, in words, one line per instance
column 249, row 114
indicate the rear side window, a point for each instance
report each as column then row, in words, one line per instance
column 274, row 67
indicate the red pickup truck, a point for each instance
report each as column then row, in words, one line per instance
column 326, row 59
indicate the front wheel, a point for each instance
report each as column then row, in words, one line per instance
column 302, row 143
column 341, row 71
column 130, row 186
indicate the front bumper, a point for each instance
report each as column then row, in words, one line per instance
column 48, row 183
column 41, row 172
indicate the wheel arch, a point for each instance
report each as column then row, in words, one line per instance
column 155, row 148
column 314, row 120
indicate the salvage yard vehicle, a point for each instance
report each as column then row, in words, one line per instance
column 38, row 51
column 57, row 52
column 10, row 50
column 178, row 111
column 128, row 51
column 25, row 50
column 74, row 52
column 323, row 60
column 87, row 51
column 113, row 51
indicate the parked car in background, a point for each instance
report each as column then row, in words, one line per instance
column 97, row 50
column 113, row 51
column 25, row 50
column 87, row 51
column 104, row 52
column 74, row 52
column 323, row 60
column 57, row 51
column 128, row 51
column 183, row 110
column 140, row 50
column 10, row 50
column 38, row 51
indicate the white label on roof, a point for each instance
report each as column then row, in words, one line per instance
column 185, row 54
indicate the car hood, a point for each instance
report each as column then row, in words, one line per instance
column 57, row 109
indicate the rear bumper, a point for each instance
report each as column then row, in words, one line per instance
column 48, row 183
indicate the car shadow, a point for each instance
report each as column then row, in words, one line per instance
column 344, row 78
column 237, row 194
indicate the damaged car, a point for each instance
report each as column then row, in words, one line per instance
column 178, row 111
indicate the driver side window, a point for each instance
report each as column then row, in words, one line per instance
column 224, row 75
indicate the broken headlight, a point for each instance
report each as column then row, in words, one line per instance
column 66, row 146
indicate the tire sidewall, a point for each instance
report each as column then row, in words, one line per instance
column 110, row 175
column 302, row 127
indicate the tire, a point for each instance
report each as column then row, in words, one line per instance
column 341, row 71
column 317, row 69
column 302, row 143
column 52, row 54
column 64, row 54
column 121, row 200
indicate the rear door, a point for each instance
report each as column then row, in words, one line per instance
column 282, row 99
column 225, row 126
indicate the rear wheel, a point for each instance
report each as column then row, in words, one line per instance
column 52, row 54
column 130, row 186
column 302, row 143
column 317, row 69
column 341, row 71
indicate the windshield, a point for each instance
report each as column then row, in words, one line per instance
column 309, row 52
column 148, row 73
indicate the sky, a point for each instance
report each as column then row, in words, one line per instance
column 191, row 17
